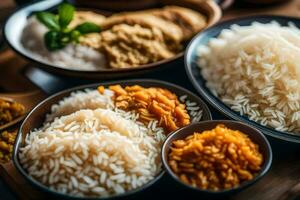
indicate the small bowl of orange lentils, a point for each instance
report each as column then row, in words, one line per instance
column 217, row 157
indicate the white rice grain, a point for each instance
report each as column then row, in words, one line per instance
column 255, row 70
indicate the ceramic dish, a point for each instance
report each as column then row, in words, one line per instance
column 254, row 134
column 14, row 26
column 198, row 81
column 37, row 116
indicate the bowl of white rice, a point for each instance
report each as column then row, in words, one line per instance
column 78, row 144
column 248, row 69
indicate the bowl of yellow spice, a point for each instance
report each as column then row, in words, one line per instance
column 7, row 141
column 217, row 157
column 11, row 112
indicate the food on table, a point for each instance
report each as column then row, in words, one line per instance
column 125, row 45
column 89, row 41
column 59, row 32
column 7, row 140
column 215, row 159
column 93, row 153
column 90, row 146
column 73, row 54
column 79, row 100
column 81, row 17
column 188, row 20
column 170, row 31
column 255, row 70
column 10, row 110
column 152, row 104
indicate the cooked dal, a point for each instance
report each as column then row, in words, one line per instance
column 7, row 141
column 10, row 111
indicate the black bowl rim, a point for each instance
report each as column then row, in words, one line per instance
column 215, row 101
column 44, row 188
column 265, row 168
column 76, row 72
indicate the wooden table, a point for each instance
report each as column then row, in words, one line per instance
column 285, row 172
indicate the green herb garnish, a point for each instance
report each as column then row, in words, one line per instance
column 59, row 35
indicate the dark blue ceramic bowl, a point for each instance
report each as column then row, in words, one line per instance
column 199, row 82
column 254, row 134
column 36, row 118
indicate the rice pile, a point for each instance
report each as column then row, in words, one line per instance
column 87, row 99
column 77, row 56
column 88, row 147
column 194, row 110
column 93, row 153
column 256, row 71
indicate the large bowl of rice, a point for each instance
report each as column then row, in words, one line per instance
column 78, row 144
column 249, row 70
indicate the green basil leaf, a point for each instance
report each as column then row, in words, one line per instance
column 49, row 20
column 66, row 14
column 75, row 35
column 53, row 40
column 88, row 27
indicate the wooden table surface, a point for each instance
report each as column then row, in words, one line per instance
column 284, row 175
